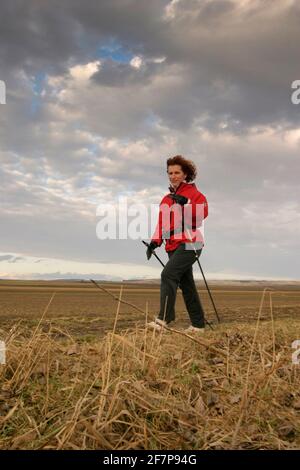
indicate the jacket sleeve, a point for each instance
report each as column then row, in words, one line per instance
column 157, row 235
column 202, row 201
column 196, row 210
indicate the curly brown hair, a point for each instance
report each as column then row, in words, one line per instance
column 188, row 167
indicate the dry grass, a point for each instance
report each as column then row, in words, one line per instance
column 137, row 389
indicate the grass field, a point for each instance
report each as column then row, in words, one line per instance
column 82, row 372
column 84, row 309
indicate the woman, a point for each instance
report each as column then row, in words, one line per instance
column 181, row 212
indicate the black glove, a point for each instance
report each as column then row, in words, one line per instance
column 151, row 247
column 179, row 199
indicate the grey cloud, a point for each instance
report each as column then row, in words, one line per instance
column 36, row 36
column 113, row 74
column 11, row 258
column 51, row 35
column 17, row 259
column 236, row 63
column 223, row 64
column 6, row 258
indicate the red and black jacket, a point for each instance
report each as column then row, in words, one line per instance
column 178, row 224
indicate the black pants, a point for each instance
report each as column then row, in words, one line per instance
column 179, row 272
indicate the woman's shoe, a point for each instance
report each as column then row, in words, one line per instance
column 195, row 329
column 157, row 324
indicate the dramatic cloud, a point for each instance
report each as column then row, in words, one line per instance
column 99, row 94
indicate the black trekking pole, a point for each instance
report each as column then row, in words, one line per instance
column 153, row 252
column 212, row 301
column 197, row 258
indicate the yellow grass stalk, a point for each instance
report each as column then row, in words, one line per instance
column 244, row 401
column 27, row 351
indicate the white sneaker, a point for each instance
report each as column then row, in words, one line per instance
column 157, row 324
column 194, row 329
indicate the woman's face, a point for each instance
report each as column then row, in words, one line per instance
column 176, row 175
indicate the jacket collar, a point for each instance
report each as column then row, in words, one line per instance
column 180, row 187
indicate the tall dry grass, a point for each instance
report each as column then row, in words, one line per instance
column 140, row 389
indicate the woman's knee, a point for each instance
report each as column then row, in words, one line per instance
column 168, row 275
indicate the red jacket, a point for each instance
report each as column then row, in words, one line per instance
column 178, row 224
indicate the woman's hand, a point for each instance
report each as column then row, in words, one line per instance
column 179, row 199
column 150, row 249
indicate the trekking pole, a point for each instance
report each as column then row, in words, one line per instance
column 208, row 290
column 153, row 252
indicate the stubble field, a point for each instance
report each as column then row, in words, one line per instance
column 85, row 309
column 83, row 372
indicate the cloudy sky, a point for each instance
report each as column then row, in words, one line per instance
column 100, row 93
